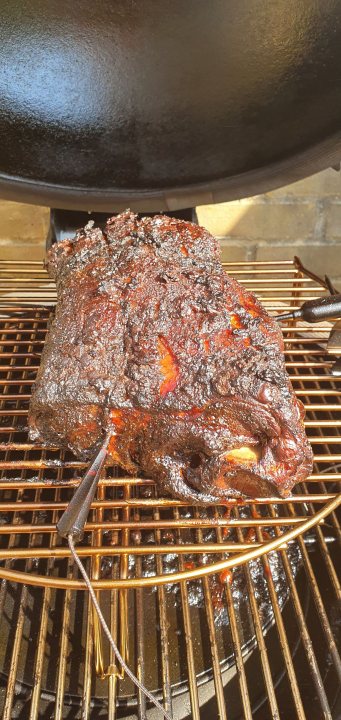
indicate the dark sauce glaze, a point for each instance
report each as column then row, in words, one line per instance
column 153, row 340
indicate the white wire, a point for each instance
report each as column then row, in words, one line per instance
column 108, row 633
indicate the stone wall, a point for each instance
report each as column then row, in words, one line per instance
column 23, row 231
column 301, row 219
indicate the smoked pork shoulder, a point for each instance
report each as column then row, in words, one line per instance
column 153, row 342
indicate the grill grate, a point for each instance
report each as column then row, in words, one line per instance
column 150, row 557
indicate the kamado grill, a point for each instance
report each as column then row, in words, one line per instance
column 230, row 611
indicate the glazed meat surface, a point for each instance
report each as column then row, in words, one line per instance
column 153, row 342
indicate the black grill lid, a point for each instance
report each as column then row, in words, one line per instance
column 165, row 104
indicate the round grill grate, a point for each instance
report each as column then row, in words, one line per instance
column 158, row 540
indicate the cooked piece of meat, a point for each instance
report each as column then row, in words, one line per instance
column 153, row 340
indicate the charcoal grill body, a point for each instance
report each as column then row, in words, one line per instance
column 160, row 106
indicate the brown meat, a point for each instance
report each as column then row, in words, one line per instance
column 153, row 340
